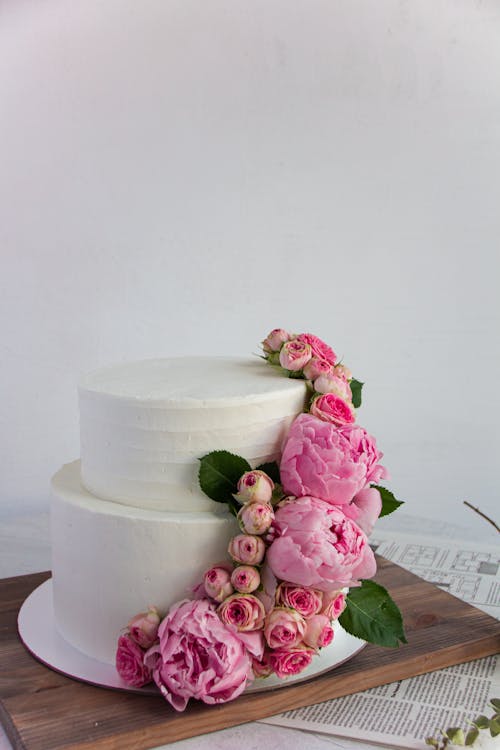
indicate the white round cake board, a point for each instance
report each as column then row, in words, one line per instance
column 39, row 634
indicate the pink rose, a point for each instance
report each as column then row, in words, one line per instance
column 364, row 450
column 307, row 602
column 343, row 372
column 333, row 604
column 255, row 486
column 318, row 546
column 294, row 355
column 365, row 508
column 274, row 340
column 245, row 579
column 318, row 347
column 198, row 657
column 262, row 667
column 329, row 383
column 332, row 408
column 317, row 367
column 284, row 628
column 244, row 611
column 247, row 549
column 130, row 662
column 143, row 628
column 255, row 518
column 287, row 662
column 319, row 632
column 217, row 583
column 331, row 463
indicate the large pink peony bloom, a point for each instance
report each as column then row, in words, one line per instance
column 332, row 463
column 318, row 546
column 198, row 657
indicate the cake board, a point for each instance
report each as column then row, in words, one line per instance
column 42, row 709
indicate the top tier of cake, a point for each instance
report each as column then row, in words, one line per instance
column 145, row 424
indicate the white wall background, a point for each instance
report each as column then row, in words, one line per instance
column 181, row 176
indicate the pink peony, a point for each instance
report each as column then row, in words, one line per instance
column 307, row 602
column 319, row 633
column 287, row 662
column 255, row 486
column 331, row 463
column 245, row 579
column 365, row 508
column 317, row 367
column 247, row 549
column 332, row 408
column 255, row 518
column 333, row 604
column 294, row 355
column 329, row 383
column 217, row 583
column 318, row 347
column 274, row 340
column 130, row 662
column 198, row 657
column 284, row 628
column 244, row 611
column 318, row 546
column 143, row 628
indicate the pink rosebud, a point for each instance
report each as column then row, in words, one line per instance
column 333, row 604
column 255, row 487
column 245, row 579
column 244, row 611
column 294, row 355
column 319, row 632
column 343, row 372
column 332, row 408
column 143, row 628
column 286, row 662
column 274, row 340
column 317, row 367
column 130, row 662
column 262, row 668
column 255, row 518
column 284, row 628
column 217, row 583
column 330, row 383
column 318, row 347
column 306, row 601
column 247, row 549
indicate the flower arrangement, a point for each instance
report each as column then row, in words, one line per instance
column 301, row 562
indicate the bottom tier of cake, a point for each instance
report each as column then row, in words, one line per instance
column 110, row 561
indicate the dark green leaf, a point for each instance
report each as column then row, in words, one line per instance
column 371, row 614
column 356, row 388
column 494, row 727
column 389, row 502
column 495, row 702
column 482, row 722
column 272, row 470
column 219, row 474
column 471, row 736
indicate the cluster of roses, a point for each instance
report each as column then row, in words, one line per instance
column 307, row 356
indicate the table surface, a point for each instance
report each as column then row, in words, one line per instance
column 24, row 541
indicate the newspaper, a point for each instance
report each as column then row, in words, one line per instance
column 403, row 713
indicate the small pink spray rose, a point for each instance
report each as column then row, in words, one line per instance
column 245, row 579
column 332, row 408
column 318, row 347
column 130, row 662
column 217, row 583
column 244, row 611
column 143, row 628
column 247, row 549
column 333, row 604
column 306, row 601
column 255, row 487
column 329, row 383
column 291, row 661
column 255, row 518
column 274, row 340
column 317, row 367
column 294, row 355
column 319, row 633
column 284, row 628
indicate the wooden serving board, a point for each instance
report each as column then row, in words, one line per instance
column 43, row 710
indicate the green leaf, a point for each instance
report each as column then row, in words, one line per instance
column 495, row 702
column 471, row 736
column 456, row 735
column 389, row 502
column 219, row 474
column 272, row 470
column 482, row 722
column 356, row 388
column 494, row 727
column 371, row 614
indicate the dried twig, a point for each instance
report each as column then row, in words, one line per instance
column 483, row 515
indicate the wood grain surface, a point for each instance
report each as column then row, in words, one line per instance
column 42, row 710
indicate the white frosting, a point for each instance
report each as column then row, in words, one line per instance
column 111, row 561
column 145, row 424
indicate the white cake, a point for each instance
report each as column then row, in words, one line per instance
column 130, row 526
